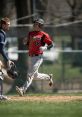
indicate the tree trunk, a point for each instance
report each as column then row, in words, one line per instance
column 23, row 10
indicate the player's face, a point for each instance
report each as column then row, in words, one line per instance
column 6, row 26
column 36, row 27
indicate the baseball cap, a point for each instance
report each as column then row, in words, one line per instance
column 39, row 20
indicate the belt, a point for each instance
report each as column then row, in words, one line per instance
column 35, row 55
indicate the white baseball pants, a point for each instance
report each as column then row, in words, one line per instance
column 33, row 66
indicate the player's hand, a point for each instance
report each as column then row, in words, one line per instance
column 10, row 63
column 43, row 48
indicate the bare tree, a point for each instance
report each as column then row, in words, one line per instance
column 40, row 7
column 5, row 8
column 76, row 9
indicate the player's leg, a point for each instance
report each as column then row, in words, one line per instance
column 33, row 65
column 2, row 97
column 48, row 77
column 31, row 71
column 42, row 75
column 1, row 81
column 1, row 85
column 30, row 76
column 38, row 75
column 22, row 90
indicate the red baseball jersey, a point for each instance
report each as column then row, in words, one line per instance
column 36, row 39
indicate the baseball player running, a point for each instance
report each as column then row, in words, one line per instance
column 37, row 42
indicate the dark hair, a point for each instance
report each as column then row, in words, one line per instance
column 4, row 21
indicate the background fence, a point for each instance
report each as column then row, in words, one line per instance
column 64, row 61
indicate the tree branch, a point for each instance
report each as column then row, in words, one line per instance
column 72, row 4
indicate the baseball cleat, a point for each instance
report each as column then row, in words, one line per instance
column 19, row 91
column 51, row 80
column 2, row 97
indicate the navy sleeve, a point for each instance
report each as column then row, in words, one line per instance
column 2, row 38
column 3, row 53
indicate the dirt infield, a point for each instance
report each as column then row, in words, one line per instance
column 46, row 98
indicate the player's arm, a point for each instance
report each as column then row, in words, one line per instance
column 47, row 43
column 50, row 45
column 3, row 53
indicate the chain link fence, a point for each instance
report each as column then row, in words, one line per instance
column 64, row 61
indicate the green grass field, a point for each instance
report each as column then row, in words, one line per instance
column 40, row 109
